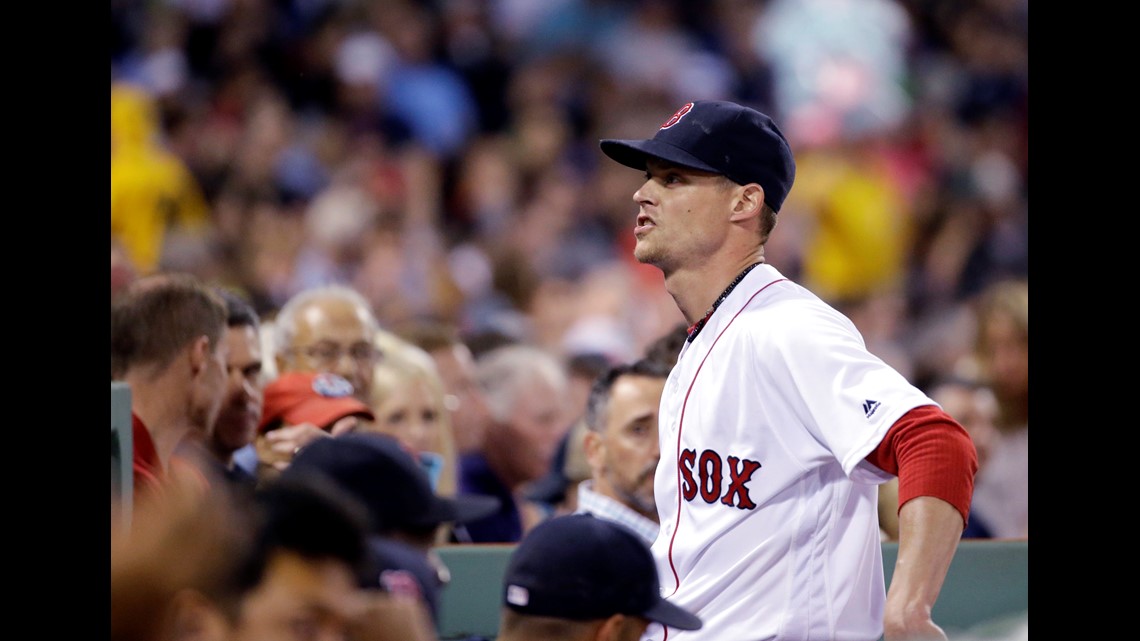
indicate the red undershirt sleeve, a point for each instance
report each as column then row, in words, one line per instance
column 932, row 454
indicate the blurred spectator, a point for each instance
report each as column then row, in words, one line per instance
column 652, row 49
column 327, row 328
column 456, row 366
column 1002, row 350
column 403, row 271
column 155, row 198
column 837, row 65
column 288, row 559
column 236, row 425
column 189, row 542
column 430, row 96
column 561, row 25
column 525, row 388
column 309, row 552
column 405, row 514
column 337, row 224
column 622, row 446
column 603, row 316
column 168, row 345
column 849, row 220
column 409, row 404
column 1001, row 492
column 557, row 491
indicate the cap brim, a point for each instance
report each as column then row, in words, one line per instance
column 633, row 153
column 673, row 616
column 462, row 509
column 323, row 412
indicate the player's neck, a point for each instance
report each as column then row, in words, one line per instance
column 696, row 327
column 697, row 291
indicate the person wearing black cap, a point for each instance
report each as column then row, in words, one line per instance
column 578, row 577
column 777, row 423
column 405, row 512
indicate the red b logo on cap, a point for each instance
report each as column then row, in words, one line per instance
column 677, row 116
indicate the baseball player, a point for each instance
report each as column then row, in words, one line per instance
column 776, row 423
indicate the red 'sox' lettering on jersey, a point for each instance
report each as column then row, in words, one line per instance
column 706, row 477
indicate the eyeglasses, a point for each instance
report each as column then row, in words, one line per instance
column 329, row 354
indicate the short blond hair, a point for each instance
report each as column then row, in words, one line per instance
column 402, row 362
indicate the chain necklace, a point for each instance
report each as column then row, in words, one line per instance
column 696, row 327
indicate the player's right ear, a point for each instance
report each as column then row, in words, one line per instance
column 748, row 203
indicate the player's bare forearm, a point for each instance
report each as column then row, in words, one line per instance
column 929, row 532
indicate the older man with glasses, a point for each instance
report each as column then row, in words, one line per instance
column 328, row 329
column 331, row 329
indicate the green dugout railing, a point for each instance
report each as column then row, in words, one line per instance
column 986, row 593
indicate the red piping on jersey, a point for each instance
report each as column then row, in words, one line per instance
column 680, row 428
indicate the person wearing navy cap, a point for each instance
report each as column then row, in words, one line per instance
column 777, row 424
column 578, row 577
column 404, row 510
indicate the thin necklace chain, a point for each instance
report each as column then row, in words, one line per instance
column 696, row 327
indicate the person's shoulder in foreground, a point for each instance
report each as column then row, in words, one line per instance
column 580, row 577
column 790, row 419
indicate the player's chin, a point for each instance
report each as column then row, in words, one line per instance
column 645, row 252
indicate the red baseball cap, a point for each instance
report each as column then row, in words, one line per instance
column 310, row 397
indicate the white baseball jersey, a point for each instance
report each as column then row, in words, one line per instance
column 769, row 517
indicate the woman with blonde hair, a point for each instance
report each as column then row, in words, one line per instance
column 407, row 398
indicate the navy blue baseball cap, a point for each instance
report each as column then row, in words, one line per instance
column 720, row 137
column 403, row 569
column 380, row 473
column 582, row 568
